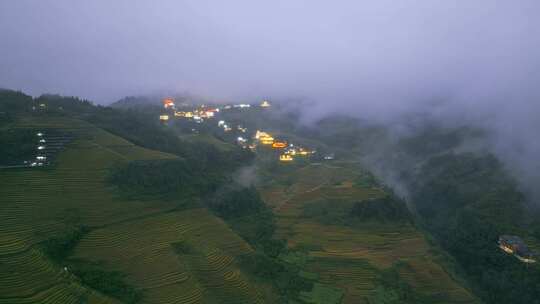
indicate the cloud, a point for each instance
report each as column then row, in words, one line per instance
column 461, row 61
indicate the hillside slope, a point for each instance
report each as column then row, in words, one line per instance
column 354, row 255
column 134, row 238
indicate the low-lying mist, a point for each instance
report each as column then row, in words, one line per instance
column 394, row 148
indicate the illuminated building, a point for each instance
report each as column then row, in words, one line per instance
column 265, row 104
column 163, row 117
column 279, row 145
column 197, row 118
column 290, row 151
column 266, row 139
column 262, row 135
column 304, row 152
column 285, row 158
column 168, row 103
column 514, row 245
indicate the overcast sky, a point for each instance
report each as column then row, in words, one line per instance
column 465, row 60
column 349, row 50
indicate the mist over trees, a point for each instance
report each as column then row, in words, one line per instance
column 438, row 100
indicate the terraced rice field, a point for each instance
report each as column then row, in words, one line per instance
column 350, row 256
column 144, row 250
column 134, row 237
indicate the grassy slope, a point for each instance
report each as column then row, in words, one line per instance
column 346, row 256
column 133, row 237
column 207, row 139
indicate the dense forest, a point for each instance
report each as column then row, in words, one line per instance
column 465, row 199
column 468, row 201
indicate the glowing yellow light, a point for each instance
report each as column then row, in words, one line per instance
column 285, row 158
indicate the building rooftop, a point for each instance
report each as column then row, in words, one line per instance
column 516, row 244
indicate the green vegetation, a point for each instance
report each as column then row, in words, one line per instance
column 142, row 128
column 248, row 216
column 183, row 247
column 366, row 180
column 468, row 201
column 345, row 252
column 329, row 211
column 13, row 104
column 93, row 275
column 322, row 294
column 246, row 213
column 347, row 212
column 58, row 248
column 392, row 289
column 167, row 178
column 312, row 233
column 235, row 202
column 111, row 283
column 17, row 146
column 387, row 208
column 127, row 250
column 285, row 277
column 465, row 200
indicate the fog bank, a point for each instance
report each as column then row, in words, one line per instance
column 459, row 62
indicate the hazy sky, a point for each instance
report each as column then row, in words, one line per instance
column 463, row 60
column 357, row 51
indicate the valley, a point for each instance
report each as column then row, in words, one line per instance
column 112, row 219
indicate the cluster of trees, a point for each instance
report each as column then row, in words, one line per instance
column 235, row 202
column 13, row 103
column 246, row 213
column 59, row 247
column 17, row 145
column 112, row 283
column 344, row 212
column 467, row 201
column 174, row 178
column 387, row 208
column 393, row 289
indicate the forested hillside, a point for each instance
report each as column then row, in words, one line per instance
column 462, row 194
column 134, row 211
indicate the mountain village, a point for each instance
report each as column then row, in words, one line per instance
column 247, row 139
